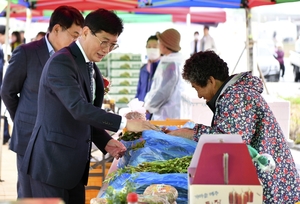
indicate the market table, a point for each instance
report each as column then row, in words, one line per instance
column 112, row 168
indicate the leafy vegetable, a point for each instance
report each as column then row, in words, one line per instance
column 130, row 136
column 177, row 165
column 119, row 197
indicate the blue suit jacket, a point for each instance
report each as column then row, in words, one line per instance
column 59, row 148
column 20, row 89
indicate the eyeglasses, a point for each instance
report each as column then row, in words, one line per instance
column 105, row 44
column 72, row 35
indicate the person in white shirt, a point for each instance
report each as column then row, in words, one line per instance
column 297, row 45
column 207, row 42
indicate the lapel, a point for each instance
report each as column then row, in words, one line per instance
column 82, row 69
column 42, row 51
column 99, row 87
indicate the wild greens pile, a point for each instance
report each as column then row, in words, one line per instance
column 130, row 136
column 177, row 165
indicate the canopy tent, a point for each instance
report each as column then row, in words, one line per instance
column 246, row 4
column 154, row 5
column 204, row 15
column 126, row 17
column 212, row 3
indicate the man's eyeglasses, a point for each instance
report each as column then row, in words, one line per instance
column 105, row 44
column 72, row 35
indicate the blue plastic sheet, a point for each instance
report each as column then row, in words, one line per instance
column 126, row 157
column 144, row 179
column 158, row 146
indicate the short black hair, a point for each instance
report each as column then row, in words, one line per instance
column 65, row 16
column 104, row 20
column 206, row 27
column 200, row 66
column 41, row 33
column 152, row 37
column 196, row 33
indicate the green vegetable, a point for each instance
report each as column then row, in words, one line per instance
column 119, row 197
column 130, row 136
column 177, row 165
column 138, row 145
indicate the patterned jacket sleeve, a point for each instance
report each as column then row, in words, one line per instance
column 235, row 114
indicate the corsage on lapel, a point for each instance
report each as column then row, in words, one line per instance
column 106, row 83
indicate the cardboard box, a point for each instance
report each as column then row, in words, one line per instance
column 281, row 111
column 123, row 90
column 195, row 108
column 125, row 73
column 124, row 81
column 126, row 64
column 122, row 98
column 125, row 56
column 222, row 172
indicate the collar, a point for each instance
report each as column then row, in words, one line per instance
column 49, row 46
column 82, row 51
column 212, row 103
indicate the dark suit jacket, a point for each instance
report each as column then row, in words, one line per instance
column 59, row 148
column 20, row 89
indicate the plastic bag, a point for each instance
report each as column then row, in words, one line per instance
column 123, row 161
column 160, row 146
column 144, row 179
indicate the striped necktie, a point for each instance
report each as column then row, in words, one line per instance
column 91, row 72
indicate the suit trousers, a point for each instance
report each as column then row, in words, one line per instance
column 23, row 184
column 70, row 196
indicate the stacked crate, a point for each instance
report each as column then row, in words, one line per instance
column 124, row 69
column 103, row 66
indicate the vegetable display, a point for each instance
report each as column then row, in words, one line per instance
column 177, row 165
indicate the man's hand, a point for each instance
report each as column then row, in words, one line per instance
column 115, row 148
column 183, row 132
column 139, row 126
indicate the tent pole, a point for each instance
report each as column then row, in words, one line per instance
column 249, row 40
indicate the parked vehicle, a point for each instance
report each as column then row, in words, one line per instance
column 267, row 63
column 295, row 62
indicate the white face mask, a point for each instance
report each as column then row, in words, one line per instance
column 153, row 53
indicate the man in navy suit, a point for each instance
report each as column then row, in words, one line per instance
column 21, row 81
column 69, row 117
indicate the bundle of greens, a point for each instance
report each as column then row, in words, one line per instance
column 177, row 165
column 130, row 136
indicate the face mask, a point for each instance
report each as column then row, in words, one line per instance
column 196, row 37
column 153, row 53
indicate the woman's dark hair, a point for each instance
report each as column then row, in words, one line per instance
column 202, row 65
column 104, row 20
column 65, row 16
column 18, row 36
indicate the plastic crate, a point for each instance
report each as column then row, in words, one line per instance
column 170, row 122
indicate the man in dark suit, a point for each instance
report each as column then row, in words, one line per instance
column 21, row 81
column 69, row 117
